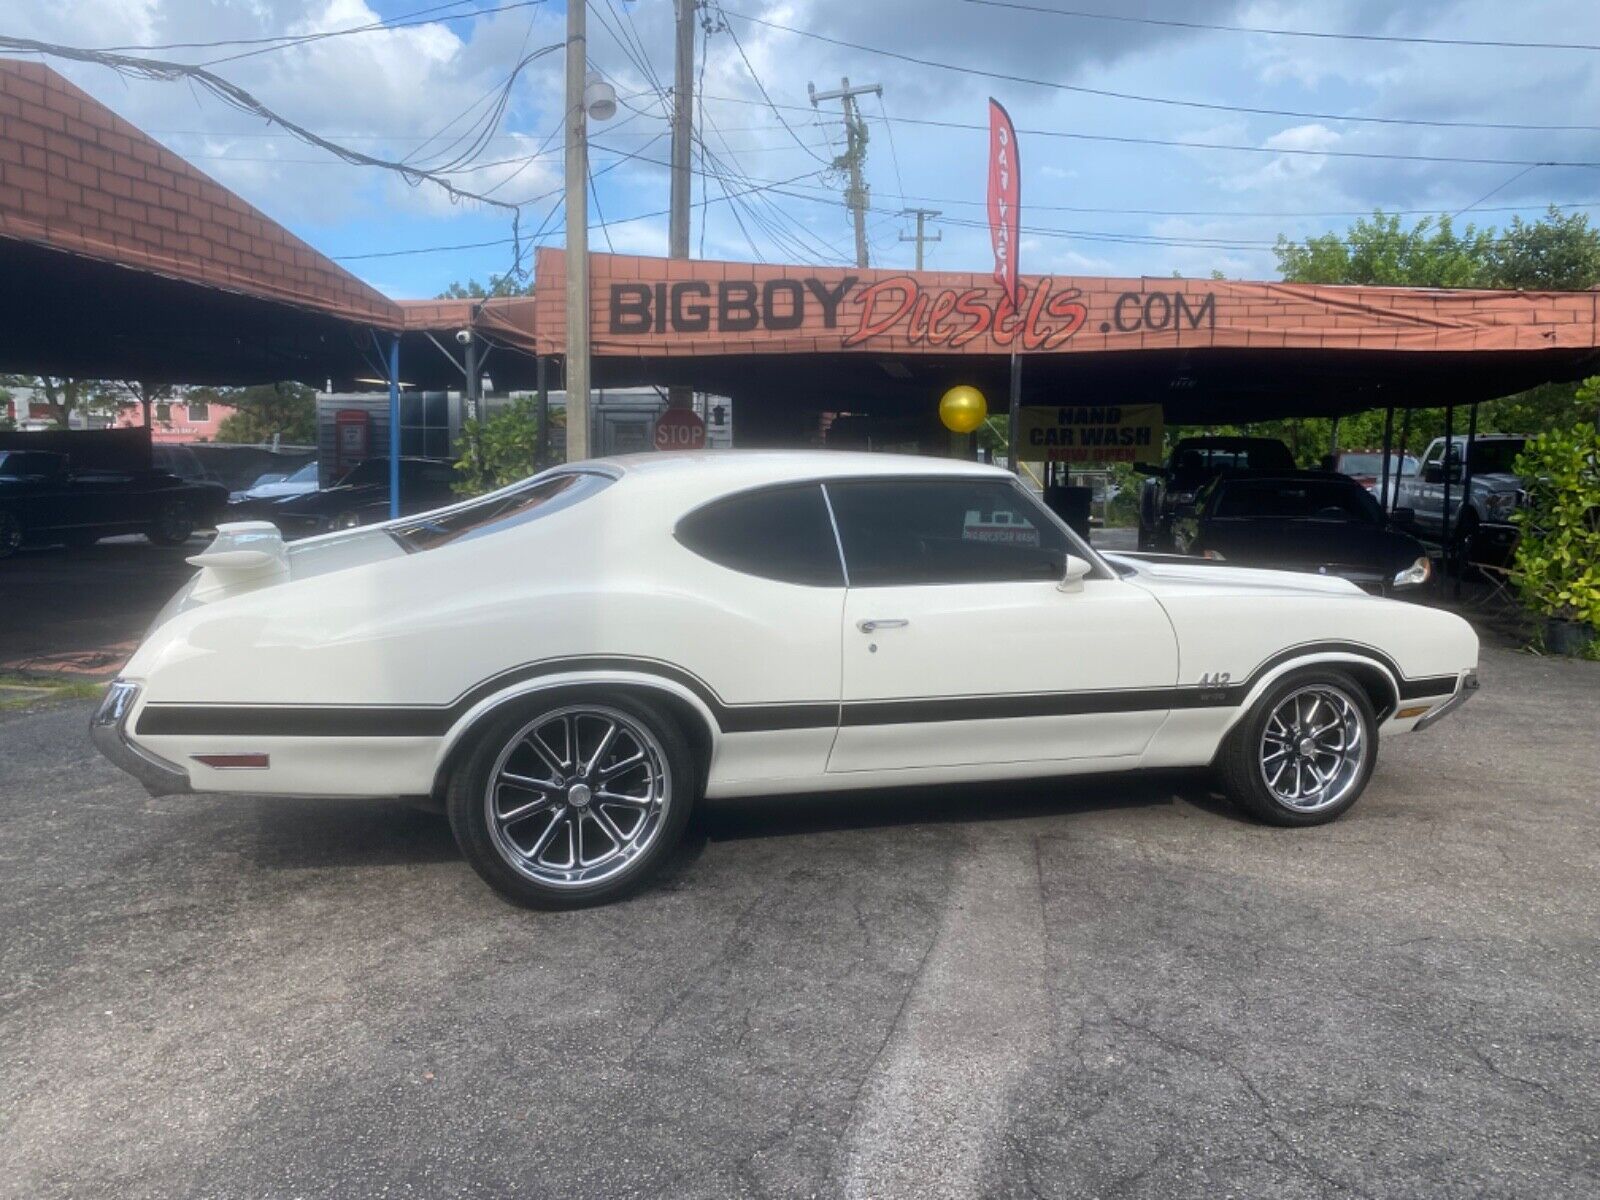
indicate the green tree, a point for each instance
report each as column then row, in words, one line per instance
column 286, row 411
column 63, row 396
column 1559, row 251
column 499, row 285
column 499, row 449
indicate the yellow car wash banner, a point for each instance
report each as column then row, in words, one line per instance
column 1092, row 433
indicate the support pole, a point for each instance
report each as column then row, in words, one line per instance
column 542, row 454
column 923, row 216
column 577, row 256
column 1466, row 490
column 857, row 196
column 1384, row 498
column 1014, row 425
column 678, row 395
column 394, row 426
column 1445, row 523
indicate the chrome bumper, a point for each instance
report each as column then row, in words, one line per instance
column 107, row 728
column 1465, row 688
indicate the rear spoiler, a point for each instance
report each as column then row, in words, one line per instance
column 245, row 554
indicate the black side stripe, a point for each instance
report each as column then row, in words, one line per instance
column 285, row 720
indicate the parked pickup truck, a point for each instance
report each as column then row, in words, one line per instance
column 1492, row 492
column 1193, row 463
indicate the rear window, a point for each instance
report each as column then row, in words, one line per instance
column 501, row 511
column 781, row 533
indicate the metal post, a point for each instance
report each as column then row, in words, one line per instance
column 543, row 459
column 1466, row 490
column 577, row 187
column 394, row 426
column 857, row 195
column 922, row 215
column 1445, row 523
column 678, row 395
column 1014, row 426
column 471, row 396
column 1384, row 499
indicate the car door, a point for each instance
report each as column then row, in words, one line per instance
column 1424, row 491
column 960, row 645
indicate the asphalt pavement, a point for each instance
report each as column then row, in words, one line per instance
column 1106, row 987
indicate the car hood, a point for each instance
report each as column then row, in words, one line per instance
column 1170, row 573
column 1498, row 481
column 1311, row 544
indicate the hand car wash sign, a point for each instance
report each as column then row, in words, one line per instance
column 1092, row 433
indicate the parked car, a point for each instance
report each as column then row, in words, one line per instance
column 44, row 499
column 1480, row 525
column 570, row 663
column 361, row 497
column 1193, row 463
column 254, row 501
column 1366, row 468
column 1303, row 521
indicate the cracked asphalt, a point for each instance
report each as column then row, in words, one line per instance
column 1095, row 988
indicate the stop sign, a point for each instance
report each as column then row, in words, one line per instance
column 680, row 429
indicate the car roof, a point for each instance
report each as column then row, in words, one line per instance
column 1258, row 477
column 727, row 469
column 1222, row 440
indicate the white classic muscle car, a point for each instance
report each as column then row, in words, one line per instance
column 569, row 663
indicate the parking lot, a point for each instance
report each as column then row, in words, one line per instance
column 1091, row 988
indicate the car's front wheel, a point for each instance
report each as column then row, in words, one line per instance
column 173, row 524
column 1304, row 752
column 10, row 533
column 575, row 801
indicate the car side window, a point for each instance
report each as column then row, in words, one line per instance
column 781, row 533
column 933, row 531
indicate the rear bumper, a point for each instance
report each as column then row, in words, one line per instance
column 108, row 730
column 1466, row 687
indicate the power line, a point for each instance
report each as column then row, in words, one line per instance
column 1299, row 33
column 761, row 87
column 1208, row 106
column 1126, row 139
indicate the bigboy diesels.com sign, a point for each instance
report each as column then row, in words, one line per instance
column 851, row 311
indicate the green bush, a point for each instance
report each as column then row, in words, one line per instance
column 499, row 449
column 1557, row 566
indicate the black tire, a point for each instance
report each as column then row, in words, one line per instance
column 10, row 533
column 173, row 524
column 467, row 802
column 1242, row 773
column 1147, row 542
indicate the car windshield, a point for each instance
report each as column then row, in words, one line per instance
column 1297, row 499
column 1496, row 458
column 306, row 474
column 1372, row 464
column 538, row 497
column 1254, row 456
column 369, row 470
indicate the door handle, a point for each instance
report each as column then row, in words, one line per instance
column 878, row 623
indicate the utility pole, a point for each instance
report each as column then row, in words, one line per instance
column 921, row 214
column 679, row 396
column 577, row 256
column 858, row 194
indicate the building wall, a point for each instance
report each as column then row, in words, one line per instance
column 176, row 423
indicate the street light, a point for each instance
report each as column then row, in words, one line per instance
column 588, row 95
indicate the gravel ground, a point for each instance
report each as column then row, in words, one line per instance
column 1095, row 988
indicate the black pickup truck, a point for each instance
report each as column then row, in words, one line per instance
column 44, row 499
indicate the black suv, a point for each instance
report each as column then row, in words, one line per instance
column 1193, row 463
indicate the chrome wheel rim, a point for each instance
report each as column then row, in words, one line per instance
column 577, row 795
column 1313, row 748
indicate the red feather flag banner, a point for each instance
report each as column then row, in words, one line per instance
column 1005, row 197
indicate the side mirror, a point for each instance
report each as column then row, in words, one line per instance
column 1072, row 574
column 1403, row 518
column 1433, row 473
column 1325, row 463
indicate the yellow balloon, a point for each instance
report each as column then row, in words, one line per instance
column 963, row 409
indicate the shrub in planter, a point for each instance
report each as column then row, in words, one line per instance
column 1557, row 568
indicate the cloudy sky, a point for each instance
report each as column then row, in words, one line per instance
column 1093, row 204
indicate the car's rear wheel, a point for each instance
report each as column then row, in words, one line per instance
column 10, row 534
column 173, row 524
column 575, row 801
column 1304, row 752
